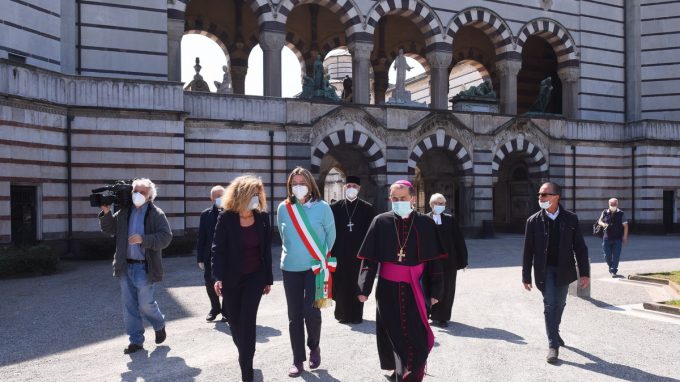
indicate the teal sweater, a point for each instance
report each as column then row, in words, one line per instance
column 294, row 255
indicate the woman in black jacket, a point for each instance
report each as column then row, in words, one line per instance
column 242, row 262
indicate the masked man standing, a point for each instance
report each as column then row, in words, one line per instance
column 206, row 232
column 554, row 245
column 406, row 245
column 142, row 231
column 352, row 218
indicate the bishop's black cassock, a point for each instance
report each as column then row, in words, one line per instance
column 454, row 245
column 351, row 223
column 403, row 334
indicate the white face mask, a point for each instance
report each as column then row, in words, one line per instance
column 138, row 199
column 438, row 209
column 300, row 191
column 351, row 193
column 402, row 209
column 218, row 202
column 544, row 205
column 255, row 202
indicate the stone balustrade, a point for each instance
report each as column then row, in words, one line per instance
column 43, row 85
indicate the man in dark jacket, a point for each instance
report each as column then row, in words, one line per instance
column 454, row 245
column 206, row 232
column 142, row 231
column 554, row 245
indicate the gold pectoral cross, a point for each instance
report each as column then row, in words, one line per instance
column 401, row 255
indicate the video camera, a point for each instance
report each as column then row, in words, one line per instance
column 119, row 193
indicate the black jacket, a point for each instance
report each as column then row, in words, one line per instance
column 226, row 248
column 453, row 242
column 206, row 232
column 572, row 250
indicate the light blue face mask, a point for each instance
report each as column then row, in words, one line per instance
column 402, row 209
column 438, row 209
column 218, row 202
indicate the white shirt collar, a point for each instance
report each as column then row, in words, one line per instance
column 437, row 218
column 553, row 216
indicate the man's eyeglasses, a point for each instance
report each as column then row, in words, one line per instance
column 544, row 194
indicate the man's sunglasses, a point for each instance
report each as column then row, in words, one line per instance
column 544, row 194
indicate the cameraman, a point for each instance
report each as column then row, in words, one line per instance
column 141, row 232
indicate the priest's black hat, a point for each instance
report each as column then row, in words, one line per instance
column 353, row 179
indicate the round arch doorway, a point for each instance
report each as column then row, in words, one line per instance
column 337, row 164
column 514, row 194
column 438, row 171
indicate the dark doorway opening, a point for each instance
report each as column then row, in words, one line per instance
column 668, row 211
column 24, row 208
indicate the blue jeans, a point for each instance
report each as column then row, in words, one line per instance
column 554, row 300
column 611, row 250
column 138, row 300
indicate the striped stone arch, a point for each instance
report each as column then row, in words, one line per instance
column 556, row 35
column 263, row 10
column 197, row 25
column 521, row 144
column 489, row 23
column 415, row 10
column 355, row 138
column 219, row 40
column 347, row 10
column 442, row 141
column 296, row 44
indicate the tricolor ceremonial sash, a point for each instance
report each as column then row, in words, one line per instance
column 322, row 264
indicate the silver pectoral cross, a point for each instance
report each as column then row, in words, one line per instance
column 349, row 225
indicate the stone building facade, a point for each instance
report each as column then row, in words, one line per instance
column 90, row 93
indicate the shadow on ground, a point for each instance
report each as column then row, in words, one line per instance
column 154, row 366
column 624, row 372
column 461, row 330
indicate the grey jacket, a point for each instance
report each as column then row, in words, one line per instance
column 157, row 236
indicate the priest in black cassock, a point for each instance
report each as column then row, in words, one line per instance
column 406, row 245
column 454, row 245
column 352, row 218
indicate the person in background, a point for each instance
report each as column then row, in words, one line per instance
column 206, row 232
column 615, row 235
column 454, row 245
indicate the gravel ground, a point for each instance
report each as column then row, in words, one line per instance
column 68, row 327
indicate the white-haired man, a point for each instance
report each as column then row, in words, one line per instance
column 454, row 244
column 142, row 231
column 206, row 232
column 615, row 234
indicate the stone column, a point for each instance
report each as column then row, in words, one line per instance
column 633, row 61
column 175, row 33
column 238, row 78
column 507, row 74
column 272, row 43
column 439, row 78
column 570, row 89
column 380, row 84
column 361, row 76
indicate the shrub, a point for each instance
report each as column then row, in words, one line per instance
column 29, row 261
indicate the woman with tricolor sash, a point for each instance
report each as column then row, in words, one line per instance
column 307, row 230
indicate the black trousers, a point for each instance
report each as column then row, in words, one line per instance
column 243, row 302
column 441, row 311
column 299, row 288
column 215, row 306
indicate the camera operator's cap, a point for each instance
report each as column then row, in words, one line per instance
column 353, row 179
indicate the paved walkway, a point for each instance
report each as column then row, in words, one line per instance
column 68, row 327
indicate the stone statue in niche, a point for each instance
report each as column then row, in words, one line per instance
column 347, row 89
column 317, row 86
column 401, row 66
column 197, row 84
column 543, row 99
column 224, row 87
column 483, row 90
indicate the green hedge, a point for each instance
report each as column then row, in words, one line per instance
column 29, row 261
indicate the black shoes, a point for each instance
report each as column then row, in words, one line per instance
column 315, row 358
column 296, row 370
column 553, row 353
column 392, row 377
column 224, row 318
column 211, row 317
column 160, row 336
column 132, row 348
column 560, row 340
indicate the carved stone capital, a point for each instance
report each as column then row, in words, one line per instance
column 360, row 50
column 508, row 67
column 438, row 59
column 270, row 40
column 239, row 71
column 569, row 74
